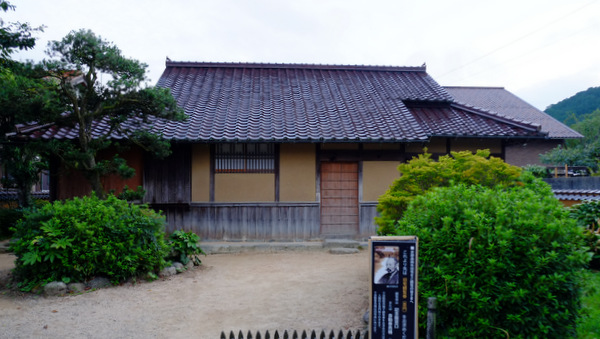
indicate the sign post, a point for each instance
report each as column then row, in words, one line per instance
column 393, row 297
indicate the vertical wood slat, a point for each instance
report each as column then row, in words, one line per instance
column 169, row 180
column 262, row 222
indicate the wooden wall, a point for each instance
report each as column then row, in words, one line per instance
column 168, row 181
column 256, row 222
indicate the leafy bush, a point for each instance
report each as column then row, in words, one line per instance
column 422, row 173
column 502, row 262
column 587, row 215
column 184, row 247
column 85, row 237
column 537, row 171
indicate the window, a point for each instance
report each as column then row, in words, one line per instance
column 245, row 158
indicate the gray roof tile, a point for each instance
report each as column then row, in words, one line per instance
column 500, row 100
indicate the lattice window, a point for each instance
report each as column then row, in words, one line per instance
column 245, row 158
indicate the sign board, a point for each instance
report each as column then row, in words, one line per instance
column 393, row 298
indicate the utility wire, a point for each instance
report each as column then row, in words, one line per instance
column 518, row 39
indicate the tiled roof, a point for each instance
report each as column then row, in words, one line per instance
column 577, row 194
column 278, row 102
column 457, row 120
column 12, row 195
column 297, row 102
column 500, row 100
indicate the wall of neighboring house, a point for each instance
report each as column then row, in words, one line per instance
column 528, row 152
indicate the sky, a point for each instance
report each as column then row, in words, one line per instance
column 541, row 50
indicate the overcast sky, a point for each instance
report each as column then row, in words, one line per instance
column 541, row 50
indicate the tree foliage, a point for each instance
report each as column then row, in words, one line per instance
column 573, row 109
column 14, row 35
column 98, row 85
column 24, row 97
column 579, row 152
column 422, row 173
column 502, row 262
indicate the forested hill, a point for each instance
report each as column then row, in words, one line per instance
column 581, row 103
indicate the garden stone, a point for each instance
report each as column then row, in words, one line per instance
column 168, row 271
column 179, row 267
column 190, row 264
column 99, row 282
column 76, row 287
column 55, row 288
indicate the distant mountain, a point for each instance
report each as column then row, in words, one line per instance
column 582, row 103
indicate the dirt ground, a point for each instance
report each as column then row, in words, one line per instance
column 248, row 292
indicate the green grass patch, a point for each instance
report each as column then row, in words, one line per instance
column 589, row 326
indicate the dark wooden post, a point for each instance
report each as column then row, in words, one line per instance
column 431, row 317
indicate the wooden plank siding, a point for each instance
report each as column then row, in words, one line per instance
column 247, row 221
column 168, row 181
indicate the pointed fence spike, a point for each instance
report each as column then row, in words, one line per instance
column 267, row 335
column 295, row 335
column 304, row 335
column 331, row 335
column 231, row 335
column 249, row 335
column 323, row 335
column 258, row 336
column 223, row 336
column 313, row 335
column 240, row 335
column 276, row 335
column 286, row 335
column 341, row 334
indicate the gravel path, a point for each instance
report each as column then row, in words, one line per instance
column 248, row 291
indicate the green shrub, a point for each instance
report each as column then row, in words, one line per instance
column 502, row 262
column 587, row 215
column 85, row 237
column 184, row 247
column 422, row 173
column 537, row 171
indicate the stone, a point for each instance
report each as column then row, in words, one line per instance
column 366, row 317
column 168, row 271
column 179, row 267
column 190, row 264
column 98, row 282
column 76, row 287
column 343, row 250
column 55, row 288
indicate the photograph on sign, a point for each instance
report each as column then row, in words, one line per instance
column 387, row 265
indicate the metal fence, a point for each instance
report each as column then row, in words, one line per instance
column 295, row 335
